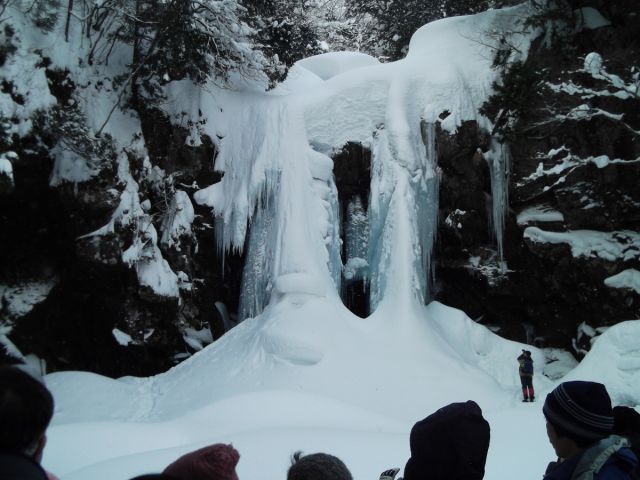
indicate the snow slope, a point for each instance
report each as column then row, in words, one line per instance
column 309, row 375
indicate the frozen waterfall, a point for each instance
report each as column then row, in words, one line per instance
column 275, row 200
column 400, row 245
column 499, row 160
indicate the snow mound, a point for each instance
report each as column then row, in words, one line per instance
column 614, row 360
column 300, row 283
column 539, row 213
column 317, row 378
column 321, row 348
column 75, row 391
column 328, row 65
column 629, row 278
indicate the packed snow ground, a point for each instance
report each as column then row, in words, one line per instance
column 309, row 375
column 306, row 374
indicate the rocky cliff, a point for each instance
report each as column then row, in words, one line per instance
column 565, row 264
column 571, row 240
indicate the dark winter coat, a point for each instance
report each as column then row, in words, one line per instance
column 606, row 460
column 450, row 444
column 20, row 467
column 526, row 365
column 627, row 424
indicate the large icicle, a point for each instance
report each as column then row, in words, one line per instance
column 404, row 176
column 428, row 195
column 499, row 160
column 257, row 272
column 276, row 188
column 248, row 154
column 329, row 194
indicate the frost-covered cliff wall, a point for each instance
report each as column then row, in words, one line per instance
column 370, row 177
column 571, row 232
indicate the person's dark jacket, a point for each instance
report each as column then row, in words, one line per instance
column 606, row 460
column 450, row 444
column 627, row 424
column 14, row 466
column 526, row 365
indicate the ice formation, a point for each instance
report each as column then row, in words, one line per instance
column 356, row 239
column 499, row 160
column 278, row 197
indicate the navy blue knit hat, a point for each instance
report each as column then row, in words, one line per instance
column 451, row 444
column 581, row 410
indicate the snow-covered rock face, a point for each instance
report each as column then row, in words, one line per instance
column 6, row 172
column 434, row 181
column 573, row 198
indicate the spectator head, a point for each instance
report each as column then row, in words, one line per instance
column 26, row 408
column 577, row 413
column 317, row 466
column 626, row 421
column 450, row 444
column 215, row 462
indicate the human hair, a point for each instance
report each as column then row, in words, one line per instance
column 317, row 466
column 26, row 408
column 579, row 441
column 154, row 476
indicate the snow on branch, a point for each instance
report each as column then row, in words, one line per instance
column 594, row 65
column 612, row 246
column 569, row 163
column 571, row 88
column 583, row 113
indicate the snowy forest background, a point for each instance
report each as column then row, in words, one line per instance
column 113, row 262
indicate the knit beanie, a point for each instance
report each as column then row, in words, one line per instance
column 450, row 444
column 580, row 410
column 215, row 462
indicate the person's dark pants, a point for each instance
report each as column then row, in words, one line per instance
column 527, row 387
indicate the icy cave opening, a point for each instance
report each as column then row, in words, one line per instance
column 352, row 174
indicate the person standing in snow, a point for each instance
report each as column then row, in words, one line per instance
column 580, row 429
column 26, row 408
column 526, row 376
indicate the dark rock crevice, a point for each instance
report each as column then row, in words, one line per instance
column 352, row 172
